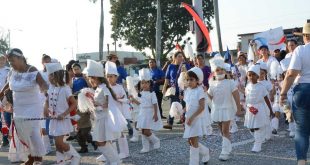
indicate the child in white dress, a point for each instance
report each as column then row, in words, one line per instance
column 121, row 104
column 263, row 79
column 57, row 107
column 149, row 116
column 194, row 97
column 107, row 126
column 225, row 98
column 256, row 100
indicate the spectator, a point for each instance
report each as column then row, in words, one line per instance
column 291, row 45
column 120, row 69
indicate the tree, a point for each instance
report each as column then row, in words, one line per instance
column 4, row 46
column 101, row 29
column 135, row 22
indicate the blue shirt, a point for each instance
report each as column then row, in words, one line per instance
column 173, row 73
column 156, row 74
column 78, row 84
column 122, row 74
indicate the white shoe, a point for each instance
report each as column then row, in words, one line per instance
column 123, row 147
column 259, row 138
column 145, row 145
column 60, row 158
column 224, row 157
column 204, row 153
column 110, row 154
column 155, row 141
column 226, row 149
column 73, row 156
column 134, row 139
column 193, row 156
column 101, row 158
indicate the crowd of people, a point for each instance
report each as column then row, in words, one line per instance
column 100, row 104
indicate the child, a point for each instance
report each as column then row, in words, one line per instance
column 121, row 104
column 223, row 91
column 98, row 102
column 149, row 116
column 263, row 79
column 256, row 97
column 57, row 106
column 194, row 98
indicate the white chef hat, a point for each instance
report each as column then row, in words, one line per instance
column 198, row 73
column 53, row 67
column 227, row 67
column 94, row 69
column 255, row 69
column 263, row 65
column 217, row 62
column 144, row 74
column 111, row 68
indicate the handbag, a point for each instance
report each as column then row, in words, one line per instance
column 170, row 91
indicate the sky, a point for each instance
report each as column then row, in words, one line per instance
column 62, row 28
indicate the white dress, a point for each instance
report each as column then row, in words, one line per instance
column 268, row 86
column 122, row 101
column 192, row 98
column 42, row 95
column 58, row 104
column 27, row 104
column 223, row 104
column 255, row 94
column 105, row 127
column 145, row 118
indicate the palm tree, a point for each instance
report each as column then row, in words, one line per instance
column 101, row 29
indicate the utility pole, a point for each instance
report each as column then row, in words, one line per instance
column 158, row 34
column 217, row 22
column 197, row 4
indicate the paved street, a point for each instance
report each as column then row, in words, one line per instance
column 175, row 150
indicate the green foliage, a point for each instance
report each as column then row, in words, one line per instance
column 4, row 46
column 135, row 22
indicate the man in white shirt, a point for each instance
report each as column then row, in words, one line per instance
column 299, row 65
column 265, row 57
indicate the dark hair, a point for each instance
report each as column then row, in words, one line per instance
column 191, row 74
column 117, row 63
column 76, row 64
column 69, row 65
column 105, row 81
column 214, row 77
column 139, row 87
column 283, row 54
column 177, row 53
column 16, row 53
column 266, row 77
column 61, row 77
column 46, row 57
column 199, row 55
column 152, row 59
column 293, row 40
column 263, row 46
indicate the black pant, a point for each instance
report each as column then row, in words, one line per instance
column 159, row 96
column 83, row 136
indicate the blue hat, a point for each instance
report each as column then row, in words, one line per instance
column 263, row 46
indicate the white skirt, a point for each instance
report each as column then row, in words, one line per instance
column 146, row 121
column 104, row 128
column 60, row 127
column 120, row 123
column 28, row 132
column 197, row 128
column 258, row 120
column 135, row 113
column 17, row 151
column 223, row 114
column 125, row 110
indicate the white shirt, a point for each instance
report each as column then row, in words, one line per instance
column 300, row 61
column 3, row 75
column 269, row 61
column 289, row 55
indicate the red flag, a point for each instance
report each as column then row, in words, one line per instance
column 200, row 24
column 178, row 47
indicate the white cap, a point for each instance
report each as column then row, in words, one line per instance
column 53, row 67
column 255, row 69
column 285, row 63
column 217, row 62
column 94, row 69
column 198, row 72
column 227, row 67
column 110, row 68
column 145, row 74
column 263, row 65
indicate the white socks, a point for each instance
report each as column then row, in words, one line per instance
column 226, row 149
column 75, row 157
column 47, row 144
column 204, row 153
column 259, row 138
column 145, row 145
column 154, row 140
column 193, row 156
column 60, row 158
column 110, row 154
column 123, row 147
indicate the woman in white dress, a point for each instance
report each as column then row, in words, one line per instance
column 25, row 81
column 149, row 117
column 59, row 103
column 194, row 97
column 256, row 100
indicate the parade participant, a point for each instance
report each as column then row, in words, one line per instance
column 57, row 107
column 291, row 45
column 120, row 69
column 263, row 79
column 107, row 126
column 4, row 70
column 256, row 97
column 171, row 86
column 25, row 81
column 222, row 91
column 121, row 103
column 265, row 57
column 149, row 118
column 299, row 65
column 158, row 78
column 194, row 97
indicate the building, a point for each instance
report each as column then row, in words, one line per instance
column 126, row 58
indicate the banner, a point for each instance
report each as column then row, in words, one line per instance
column 273, row 37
